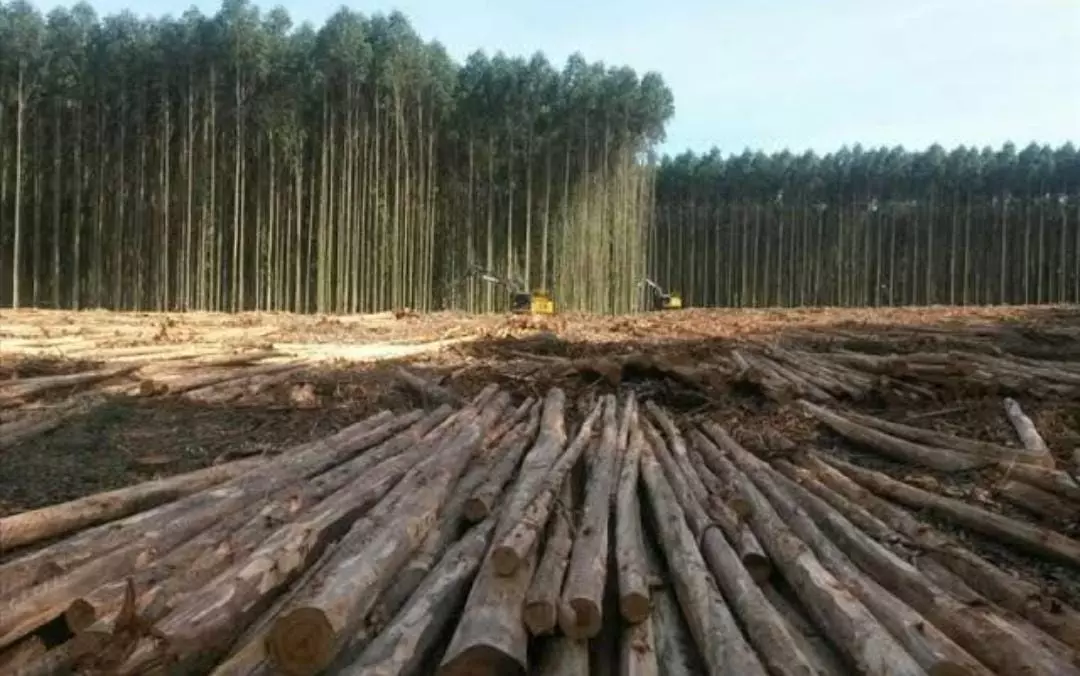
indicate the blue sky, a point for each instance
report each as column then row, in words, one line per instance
column 799, row 74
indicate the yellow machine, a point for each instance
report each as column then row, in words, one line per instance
column 521, row 301
column 662, row 300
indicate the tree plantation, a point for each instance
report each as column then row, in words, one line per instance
column 239, row 162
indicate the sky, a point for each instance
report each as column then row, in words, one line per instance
column 795, row 74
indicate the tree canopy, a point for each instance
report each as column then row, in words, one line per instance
column 239, row 161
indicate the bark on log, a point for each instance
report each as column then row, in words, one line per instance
column 1037, row 540
column 1015, row 594
column 512, row 548
column 675, row 647
column 524, row 410
column 736, row 529
column 427, row 391
column 307, row 638
column 232, row 390
column 302, row 461
column 1037, row 501
column 1051, row 480
column 811, row 642
column 764, row 628
column 443, row 534
column 402, row 645
column 1028, row 433
column 208, row 620
column 477, row 506
column 40, row 524
column 866, row 644
column 44, row 420
column 184, row 382
column 983, row 449
column 564, row 656
column 941, row 459
column 985, row 635
column 635, row 602
column 14, row 659
column 13, row 392
column 582, row 603
column 490, row 639
column 719, row 640
column 637, row 649
column 677, row 445
column 540, row 613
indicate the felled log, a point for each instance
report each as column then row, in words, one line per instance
column 635, row 602
column 302, row 461
column 764, row 627
column 40, row 524
column 1015, row 594
column 44, row 420
column 581, row 606
column 210, row 618
column 637, row 649
column 231, row 390
column 941, row 459
column 1037, row 540
column 564, row 656
column 735, row 527
column 446, row 530
column 179, row 383
column 477, row 506
column 674, row 645
column 401, row 646
column 13, row 392
column 676, row 444
column 14, row 659
column 1050, row 480
column 1037, row 501
column 982, row 633
column 719, row 639
column 541, row 611
column 1028, row 433
column 490, row 637
column 510, row 550
column 852, row 628
column 428, row 391
column 307, row 638
column 981, row 449
column 813, row 644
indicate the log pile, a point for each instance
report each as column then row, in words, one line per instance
column 561, row 535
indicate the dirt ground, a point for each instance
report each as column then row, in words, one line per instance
column 134, row 439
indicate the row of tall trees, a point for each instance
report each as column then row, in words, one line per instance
column 235, row 162
column 870, row 227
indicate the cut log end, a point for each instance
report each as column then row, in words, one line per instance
column 634, row 607
column 505, row 560
column 540, row 618
column 301, row 641
column 758, row 565
column 482, row 660
column 476, row 510
column 80, row 616
column 580, row 619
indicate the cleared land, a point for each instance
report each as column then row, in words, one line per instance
column 927, row 457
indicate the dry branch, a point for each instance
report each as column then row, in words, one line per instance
column 428, row 392
column 14, row 391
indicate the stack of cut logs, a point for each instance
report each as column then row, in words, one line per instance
column 549, row 537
